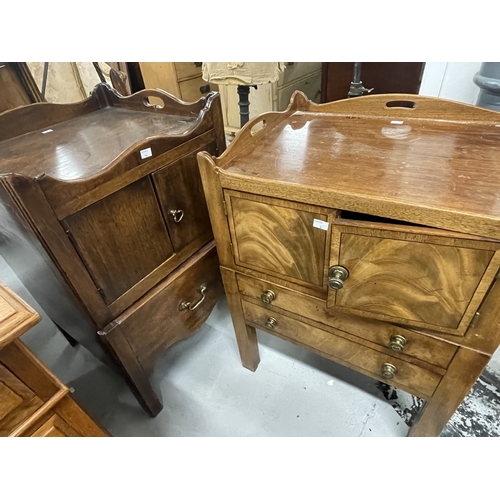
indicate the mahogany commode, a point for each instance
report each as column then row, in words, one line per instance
column 368, row 231
column 104, row 219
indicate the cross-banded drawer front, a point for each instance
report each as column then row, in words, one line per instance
column 419, row 381
column 401, row 341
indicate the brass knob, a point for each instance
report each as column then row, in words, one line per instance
column 397, row 343
column 388, row 370
column 204, row 89
column 268, row 296
column 336, row 277
column 271, row 323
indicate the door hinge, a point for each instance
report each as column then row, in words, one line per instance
column 232, row 248
column 101, row 293
column 225, row 207
column 497, row 275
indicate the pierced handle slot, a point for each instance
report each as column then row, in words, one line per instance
column 401, row 104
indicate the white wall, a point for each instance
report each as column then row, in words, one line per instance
column 451, row 80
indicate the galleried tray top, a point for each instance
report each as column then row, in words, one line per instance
column 76, row 141
column 404, row 150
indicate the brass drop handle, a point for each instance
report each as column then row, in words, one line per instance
column 268, row 296
column 177, row 215
column 271, row 323
column 192, row 307
column 336, row 277
column 388, row 370
column 397, row 343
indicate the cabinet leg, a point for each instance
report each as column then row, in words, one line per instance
column 138, row 380
column 245, row 334
column 465, row 368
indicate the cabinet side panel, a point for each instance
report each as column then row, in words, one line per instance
column 28, row 259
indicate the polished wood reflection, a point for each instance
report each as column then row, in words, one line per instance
column 422, row 282
column 278, row 237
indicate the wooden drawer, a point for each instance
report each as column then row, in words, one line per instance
column 195, row 88
column 26, row 387
column 412, row 275
column 418, row 345
column 187, row 69
column 170, row 311
column 410, row 377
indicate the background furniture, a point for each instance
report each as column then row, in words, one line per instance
column 103, row 218
column 181, row 79
column 368, row 231
column 275, row 96
column 383, row 77
column 185, row 81
column 17, row 86
column 33, row 401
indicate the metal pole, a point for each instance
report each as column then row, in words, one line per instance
column 356, row 89
column 244, row 103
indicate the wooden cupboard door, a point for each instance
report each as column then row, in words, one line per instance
column 121, row 238
column 278, row 237
column 182, row 200
column 416, row 276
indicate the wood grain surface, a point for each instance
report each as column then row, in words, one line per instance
column 55, row 426
column 121, row 238
column 418, row 345
column 178, row 187
column 422, row 282
column 155, row 322
column 144, row 331
column 281, row 239
column 443, row 158
column 369, row 361
column 16, row 316
column 17, row 401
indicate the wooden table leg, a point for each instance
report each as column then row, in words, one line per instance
column 245, row 335
column 465, row 368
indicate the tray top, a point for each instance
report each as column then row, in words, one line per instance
column 80, row 147
column 448, row 165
